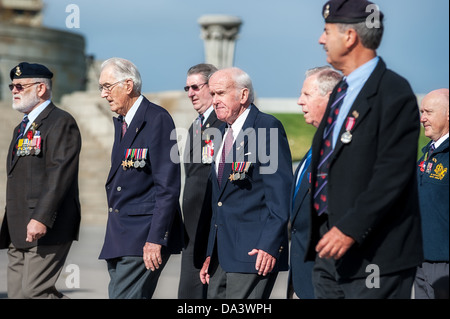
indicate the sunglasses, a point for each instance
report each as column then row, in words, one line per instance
column 21, row 87
column 195, row 87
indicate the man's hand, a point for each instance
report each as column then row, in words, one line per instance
column 35, row 230
column 334, row 244
column 152, row 256
column 264, row 261
column 204, row 276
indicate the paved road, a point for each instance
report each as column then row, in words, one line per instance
column 94, row 278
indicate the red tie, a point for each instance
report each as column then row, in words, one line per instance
column 228, row 144
column 124, row 127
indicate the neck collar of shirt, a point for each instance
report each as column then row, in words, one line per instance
column 130, row 114
column 440, row 141
column 239, row 123
column 32, row 116
column 207, row 113
column 359, row 76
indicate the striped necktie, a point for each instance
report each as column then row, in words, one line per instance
column 321, row 191
column 20, row 132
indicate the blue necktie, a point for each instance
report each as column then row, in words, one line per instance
column 302, row 173
column 321, row 191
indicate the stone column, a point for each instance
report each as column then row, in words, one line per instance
column 219, row 33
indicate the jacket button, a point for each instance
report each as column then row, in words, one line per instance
column 116, row 210
column 110, row 209
column 119, row 188
column 219, row 204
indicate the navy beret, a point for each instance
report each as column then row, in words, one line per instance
column 26, row 70
column 347, row 11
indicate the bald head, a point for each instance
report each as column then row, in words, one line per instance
column 434, row 111
column 232, row 93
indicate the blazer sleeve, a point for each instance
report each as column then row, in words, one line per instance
column 277, row 179
column 166, row 175
column 62, row 147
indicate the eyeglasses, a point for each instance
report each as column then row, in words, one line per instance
column 195, row 87
column 21, row 87
column 108, row 87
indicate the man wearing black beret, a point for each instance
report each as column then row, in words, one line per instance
column 365, row 228
column 42, row 215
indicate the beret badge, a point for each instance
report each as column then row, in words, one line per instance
column 18, row 71
column 326, row 12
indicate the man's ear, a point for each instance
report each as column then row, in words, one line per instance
column 244, row 94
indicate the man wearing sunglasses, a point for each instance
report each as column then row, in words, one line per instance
column 196, row 203
column 42, row 203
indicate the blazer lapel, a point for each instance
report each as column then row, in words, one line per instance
column 361, row 106
column 121, row 145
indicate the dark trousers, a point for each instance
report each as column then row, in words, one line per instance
column 190, row 286
column 226, row 285
column 130, row 279
column 328, row 285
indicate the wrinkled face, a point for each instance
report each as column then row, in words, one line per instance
column 198, row 92
column 311, row 100
column 27, row 98
column 114, row 91
column 333, row 42
column 228, row 100
column 434, row 116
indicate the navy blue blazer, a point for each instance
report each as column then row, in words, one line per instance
column 143, row 202
column 300, row 271
column 253, row 212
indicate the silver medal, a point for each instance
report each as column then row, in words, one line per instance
column 346, row 137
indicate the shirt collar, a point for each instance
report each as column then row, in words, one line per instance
column 32, row 116
column 130, row 114
column 440, row 141
column 359, row 76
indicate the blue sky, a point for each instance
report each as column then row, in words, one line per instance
column 278, row 40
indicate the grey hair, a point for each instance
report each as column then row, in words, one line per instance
column 370, row 37
column 327, row 78
column 206, row 70
column 243, row 81
column 124, row 70
column 48, row 84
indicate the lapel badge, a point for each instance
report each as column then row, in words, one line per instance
column 355, row 114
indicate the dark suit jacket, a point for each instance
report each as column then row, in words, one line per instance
column 372, row 184
column 44, row 187
column 253, row 213
column 197, row 191
column 300, row 271
column 143, row 203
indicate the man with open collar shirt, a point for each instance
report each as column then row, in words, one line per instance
column 366, row 232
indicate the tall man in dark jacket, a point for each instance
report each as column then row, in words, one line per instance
column 196, row 205
column 42, row 204
column 365, row 213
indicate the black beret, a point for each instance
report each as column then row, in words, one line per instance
column 26, row 70
column 347, row 11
